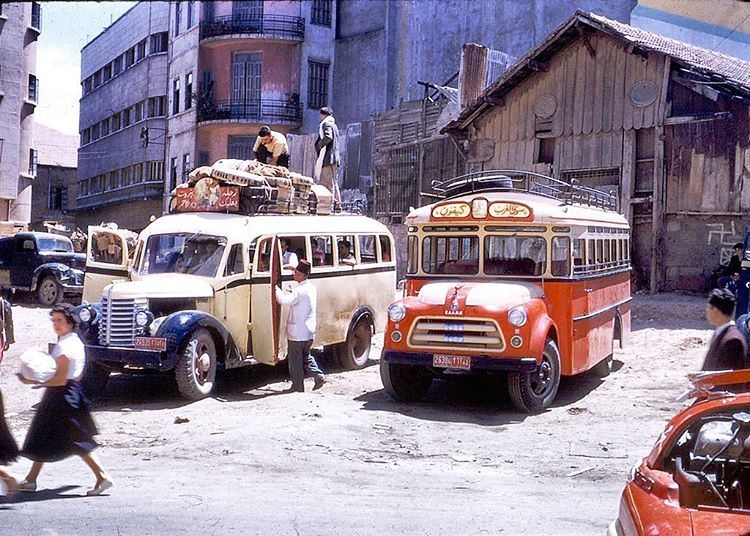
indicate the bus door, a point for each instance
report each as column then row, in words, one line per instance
column 233, row 298
column 267, row 316
column 106, row 261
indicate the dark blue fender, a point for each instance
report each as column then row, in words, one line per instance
column 178, row 326
column 743, row 288
column 61, row 272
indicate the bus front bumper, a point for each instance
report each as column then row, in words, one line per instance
column 478, row 362
column 130, row 358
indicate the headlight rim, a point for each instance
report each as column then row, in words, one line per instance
column 518, row 310
column 396, row 312
column 148, row 316
column 88, row 311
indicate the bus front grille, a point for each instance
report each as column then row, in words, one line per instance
column 117, row 325
column 464, row 334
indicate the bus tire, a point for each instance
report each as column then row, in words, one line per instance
column 354, row 353
column 195, row 371
column 405, row 383
column 95, row 379
column 49, row 292
column 532, row 392
column 604, row 367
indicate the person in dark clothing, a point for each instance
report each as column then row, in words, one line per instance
column 329, row 159
column 735, row 263
column 8, row 446
column 728, row 349
column 729, row 282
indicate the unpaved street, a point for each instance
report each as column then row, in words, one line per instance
column 348, row 460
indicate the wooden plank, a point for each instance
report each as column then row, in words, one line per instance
column 580, row 89
column 558, row 81
column 709, row 193
column 601, row 68
column 608, row 86
column 657, row 213
column 627, row 182
column 742, row 167
column 504, row 123
column 513, row 121
column 616, row 148
column 523, row 112
column 640, row 74
column 569, row 90
column 661, row 103
column 618, row 100
column 723, row 180
column 631, row 75
column 695, row 184
column 605, row 158
column 588, row 104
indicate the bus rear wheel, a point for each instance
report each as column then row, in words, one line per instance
column 195, row 371
column 532, row 392
column 354, row 353
column 405, row 383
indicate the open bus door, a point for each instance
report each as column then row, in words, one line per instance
column 269, row 342
column 106, row 261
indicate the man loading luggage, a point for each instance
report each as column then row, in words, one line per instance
column 271, row 144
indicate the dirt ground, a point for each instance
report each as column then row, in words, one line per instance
column 348, row 460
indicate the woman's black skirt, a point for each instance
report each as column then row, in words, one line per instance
column 8, row 447
column 62, row 425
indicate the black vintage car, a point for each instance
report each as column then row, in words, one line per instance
column 42, row 263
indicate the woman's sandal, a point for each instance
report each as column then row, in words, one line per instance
column 26, row 486
column 100, row 487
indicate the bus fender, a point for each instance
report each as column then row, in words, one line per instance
column 361, row 312
column 541, row 330
column 178, row 326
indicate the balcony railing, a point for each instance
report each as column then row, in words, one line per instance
column 271, row 26
column 123, row 194
column 258, row 111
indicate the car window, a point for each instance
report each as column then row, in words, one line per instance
column 106, row 248
column 345, row 247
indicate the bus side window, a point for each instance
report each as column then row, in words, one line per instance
column 412, row 255
column 591, row 254
column 561, row 256
column 385, row 248
column 367, row 251
column 264, row 255
column 322, row 250
column 579, row 254
column 235, row 262
column 297, row 246
column 346, row 253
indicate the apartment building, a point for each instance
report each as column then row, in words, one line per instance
column 235, row 66
column 20, row 26
column 54, row 186
column 123, row 119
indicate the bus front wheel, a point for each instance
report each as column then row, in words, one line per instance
column 532, row 392
column 404, row 382
column 195, row 371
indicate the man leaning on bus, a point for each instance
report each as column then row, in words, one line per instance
column 300, row 328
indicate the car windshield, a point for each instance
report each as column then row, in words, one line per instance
column 183, row 253
column 54, row 244
column 515, row 255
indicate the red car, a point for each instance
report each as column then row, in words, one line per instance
column 696, row 480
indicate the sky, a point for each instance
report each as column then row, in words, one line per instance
column 66, row 28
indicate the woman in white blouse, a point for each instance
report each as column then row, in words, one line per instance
column 63, row 426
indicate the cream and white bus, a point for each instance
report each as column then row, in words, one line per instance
column 197, row 295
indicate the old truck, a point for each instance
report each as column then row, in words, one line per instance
column 41, row 263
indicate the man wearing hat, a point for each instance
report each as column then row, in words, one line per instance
column 300, row 328
column 728, row 349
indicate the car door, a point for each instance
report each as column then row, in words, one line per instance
column 106, row 261
column 24, row 262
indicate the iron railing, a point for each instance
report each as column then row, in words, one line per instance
column 133, row 192
column 271, row 26
column 260, row 111
column 526, row 181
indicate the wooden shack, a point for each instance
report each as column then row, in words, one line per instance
column 663, row 124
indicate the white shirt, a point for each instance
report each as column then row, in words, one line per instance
column 290, row 259
column 302, row 302
column 71, row 347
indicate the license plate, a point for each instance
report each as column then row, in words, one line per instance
column 462, row 362
column 151, row 343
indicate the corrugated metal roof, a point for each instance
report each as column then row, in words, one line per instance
column 727, row 70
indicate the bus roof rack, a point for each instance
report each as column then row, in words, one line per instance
column 513, row 180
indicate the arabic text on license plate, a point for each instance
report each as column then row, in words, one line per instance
column 451, row 361
column 151, row 343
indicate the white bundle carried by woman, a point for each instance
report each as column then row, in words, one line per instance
column 36, row 365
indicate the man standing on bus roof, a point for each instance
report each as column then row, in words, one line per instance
column 300, row 328
column 728, row 348
column 327, row 147
column 273, row 144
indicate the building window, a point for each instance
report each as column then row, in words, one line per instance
column 87, row 86
column 137, row 173
column 321, row 12
column 317, row 85
column 36, row 15
column 116, row 122
column 106, row 73
column 156, row 170
column 241, row 147
column 190, row 14
column 95, row 132
column 185, row 166
column 105, row 127
column 85, row 136
column 140, row 50
column 157, row 106
column 188, row 91
column 33, row 156
column 139, row 111
column 177, row 16
column 203, row 158
column 117, row 66
column 248, row 10
column 173, row 173
column 546, row 151
column 176, row 96
column 129, row 57
column 33, row 88
column 126, row 117
column 159, row 42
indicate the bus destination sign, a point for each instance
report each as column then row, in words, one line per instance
column 221, row 199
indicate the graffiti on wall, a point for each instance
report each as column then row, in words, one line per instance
column 726, row 236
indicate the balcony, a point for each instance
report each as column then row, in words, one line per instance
column 133, row 192
column 265, row 111
column 283, row 27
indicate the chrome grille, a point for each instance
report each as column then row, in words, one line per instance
column 463, row 334
column 117, row 326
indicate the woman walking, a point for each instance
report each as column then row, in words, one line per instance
column 8, row 447
column 63, row 425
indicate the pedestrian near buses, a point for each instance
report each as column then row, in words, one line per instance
column 727, row 349
column 327, row 147
column 8, row 446
column 63, row 426
column 300, row 328
column 271, row 148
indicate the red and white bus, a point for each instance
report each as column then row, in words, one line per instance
column 513, row 272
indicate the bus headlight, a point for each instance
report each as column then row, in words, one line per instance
column 142, row 319
column 85, row 315
column 396, row 312
column 517, row 316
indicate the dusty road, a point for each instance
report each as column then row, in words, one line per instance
column 347, row 460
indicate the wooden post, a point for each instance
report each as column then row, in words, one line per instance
column 627, row 182
column 657, row 210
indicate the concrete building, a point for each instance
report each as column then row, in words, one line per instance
column 54, row 192
column 720, row 25
column 20, row 25
column 123, row 119
column 235, row 66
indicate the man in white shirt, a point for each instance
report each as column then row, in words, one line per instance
column 300, row 328
column 289, row 259
column 273, row 144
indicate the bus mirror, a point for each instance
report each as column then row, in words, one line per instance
column 401, row 285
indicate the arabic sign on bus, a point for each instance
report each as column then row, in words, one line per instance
column 219, row 199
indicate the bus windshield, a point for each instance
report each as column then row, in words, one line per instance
column 458, row 255
column 183, row 253
column 515, row 255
